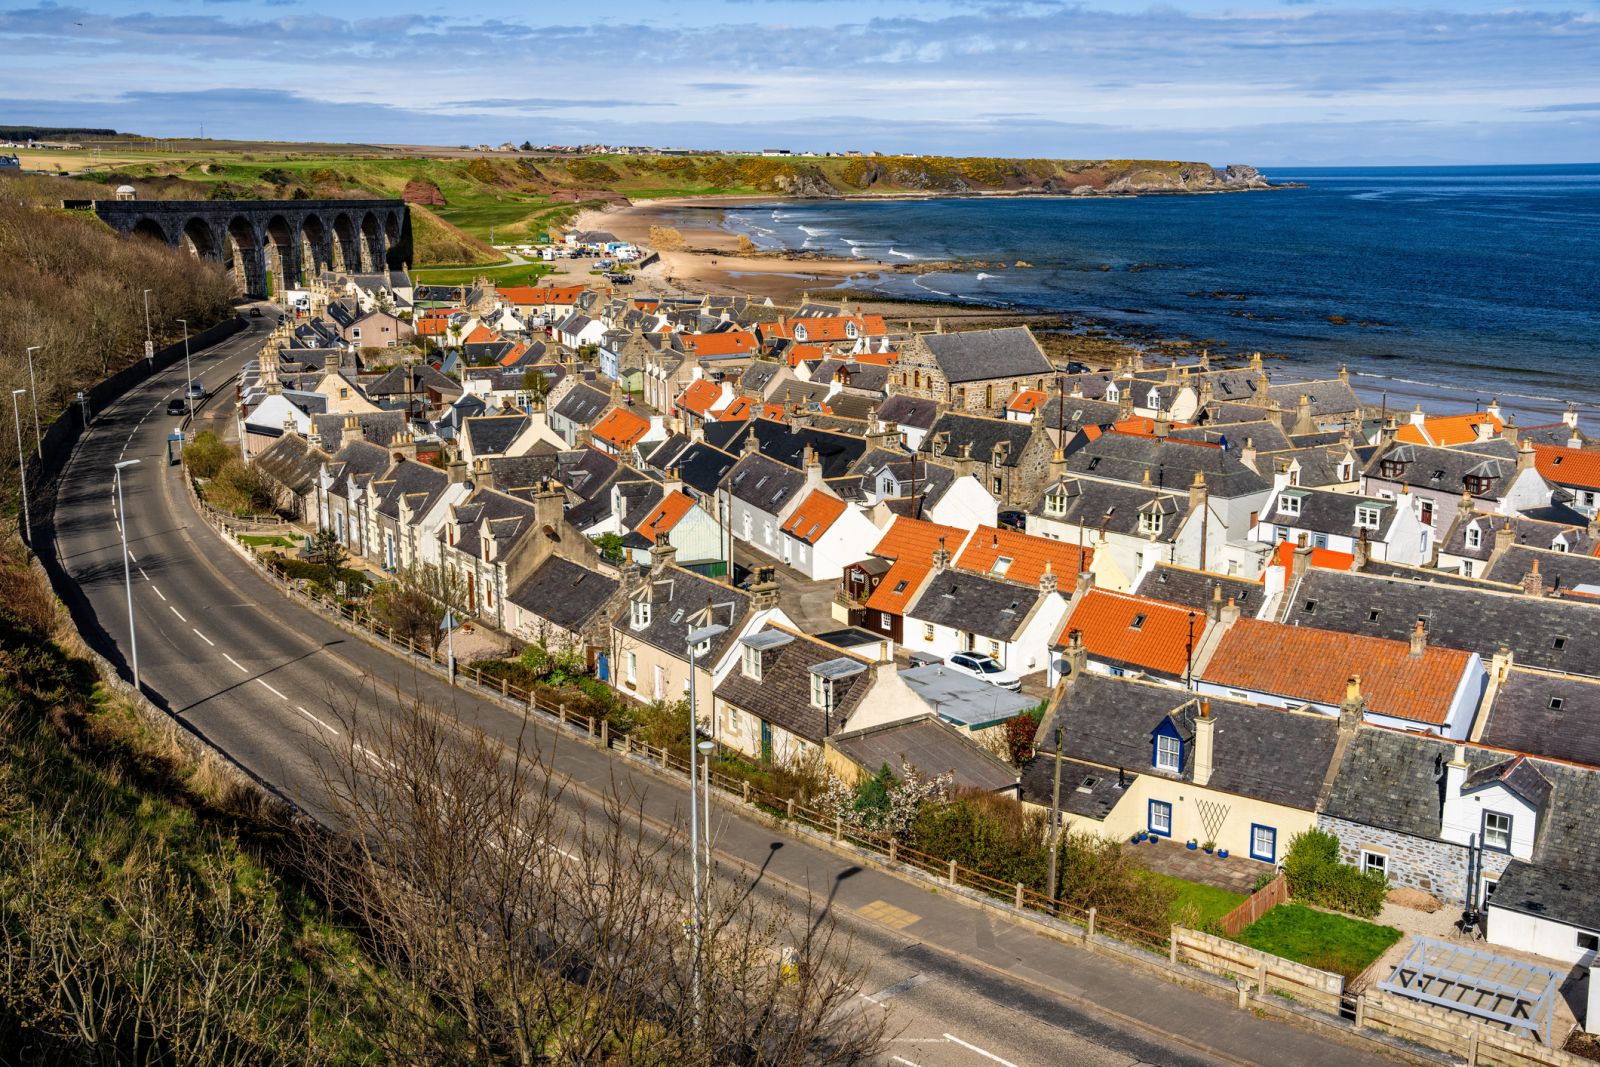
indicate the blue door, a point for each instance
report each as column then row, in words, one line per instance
column 602, row 667
column 766, row 740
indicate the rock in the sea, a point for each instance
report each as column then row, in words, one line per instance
column 1242, row 174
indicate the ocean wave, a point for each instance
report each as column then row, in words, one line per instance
column 814, row 231
column 902, row 255
column 981, row 276
column 928, row 288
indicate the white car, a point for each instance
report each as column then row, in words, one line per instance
column 987, row 668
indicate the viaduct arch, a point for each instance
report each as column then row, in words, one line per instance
column 271, row 244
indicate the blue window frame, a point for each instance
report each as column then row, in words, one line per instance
column 1263, row 843
column 1160, row 818
column 1166, row 748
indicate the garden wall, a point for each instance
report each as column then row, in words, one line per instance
column 1322, row 990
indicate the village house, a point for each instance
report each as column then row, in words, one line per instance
column 1377, row 527
column 1498, row 475
column 1008, row 620
column 1131, row 528
column 974, row 372
column 1128, row 636
column 875, row 592
column 1011, row 459
column 573, row 409
column 824, row 534
column 1477, row 537
column 1575, row 470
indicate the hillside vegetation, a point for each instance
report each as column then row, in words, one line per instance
column 520, row 197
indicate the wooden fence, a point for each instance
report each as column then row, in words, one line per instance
column 1255, row 905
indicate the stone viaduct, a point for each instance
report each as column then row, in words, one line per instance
column 271, row 244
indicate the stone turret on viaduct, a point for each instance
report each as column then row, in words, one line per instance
column 271, row 244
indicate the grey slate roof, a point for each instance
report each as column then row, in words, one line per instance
column 423, row 379
column 356, row 461
column 1277, row 756
column 1325, row 511
column 913, row 411
column 681, row 601
column 1333, row 396
column 511, row 473
column 419, row 483
column 1546, row 714
column 1262, row 435
column 983, row 354
column 1193, row 589
column 1173, row 464
column 583, row 405
column 981, row 435
column 1116, row 506
column 567, row 593
column 787, row 444
column 764, row 483
column 1447, row 469
column 1550, row 632
column 508, row 516
column 292, row 463
column 1073, row 413
column 931, row 747
column 378, row 427
column 1087, row 791
column 491, row 435
column 783, row 695
column 991, row 607
column 1393, row 780
column 1560, row 571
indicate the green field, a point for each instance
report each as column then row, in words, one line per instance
column 516, row 274
column 1319, row 939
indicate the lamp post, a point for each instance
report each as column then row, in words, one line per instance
column 188, row 369
column 448, row 625
column 706, row 749
column 149, row 340
column 695, row 639
column 33, row 386
column 127, row 575
column 22, row 469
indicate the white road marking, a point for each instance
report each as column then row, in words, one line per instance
column 902, row 1059
column 159, row 593
column 178, row 613
column 982, row 1052
column 314, row 719
column 268, row 684
column 204, row 638
column 235, row 662
column 135, row 559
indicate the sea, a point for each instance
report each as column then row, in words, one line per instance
column 1472, row 282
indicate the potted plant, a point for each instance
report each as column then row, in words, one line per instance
column 1136, row 838
column 1192, row 844
column 1210, row 847
column 1155, row 839
column 1222, row 853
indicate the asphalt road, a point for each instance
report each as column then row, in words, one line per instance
column 256, row 673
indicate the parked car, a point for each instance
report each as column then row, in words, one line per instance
column 196, row 391
column 1013, row 520
column 255, row 313
column 177, row 406
column 986, row 668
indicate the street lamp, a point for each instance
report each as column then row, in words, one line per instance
column 696, row 638
column 22, row 470
column 706, row 749
column 127, row 576
column 149, row 341
column 33, row 384
column 187, row 369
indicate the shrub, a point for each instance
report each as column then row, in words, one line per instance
column 206, row 455
column 1316, row 875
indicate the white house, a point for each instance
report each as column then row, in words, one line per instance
column 959, row 611
column 1385, row 528
column 825, row 534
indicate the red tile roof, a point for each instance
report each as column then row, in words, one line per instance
column 1326, row 558
column 1304, row 663
column 814, row 517
column 1151, row 635
column 621, row 428
column 881, row 359
column 481, row 334
column 665, row 515
column 910, row 543
column 1024, row 401
column 1028, row 554
column 743, row 409
column 700, row 396
column 512, row 357
column 1448, row 430
column 1567, row 466
column 727, row 343
column 799, row 354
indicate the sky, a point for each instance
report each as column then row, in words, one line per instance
column 1268, row 82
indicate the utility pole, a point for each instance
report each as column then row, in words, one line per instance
column 695, row 638
column 1188, row 667
column 149, row 340
column 22, row 469
column 188, row 369
column 1055, row 821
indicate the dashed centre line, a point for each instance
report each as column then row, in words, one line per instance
column 204, row 638
column 176, row 612
column 159, row 593
column 235, row 662
column 982, row 1052
column 314, row 719
column 143, row 575
column 268, row 684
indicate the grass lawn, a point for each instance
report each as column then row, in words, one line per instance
column 269, row 541
column 1319, row 939
column 515, row 274
column 1208, row 901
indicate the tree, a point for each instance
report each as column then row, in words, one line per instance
column 540, row 925
column 536, row 385
column 327, row 549
column 883, row 803
column 414, row 605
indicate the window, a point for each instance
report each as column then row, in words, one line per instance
column 639, row 614
column 1497, row 831
column 885, row 620
column 994, row 650
column 1372, row 615
column 1150, row 522
column 1557, row 703
column 633, row 667
column 1474, row 537
column 1588, row 942
column 1425, row 512
column 1559, row 644
column 1344, row 472
column 1319, row 540
column 1283, row 534
column 751, row 662
column 1311, row 607
column 1367, row 518
column 1001, row 565
column 998, row 486
column 733, row 719
column 1138, row 621
column 1477, row 484
column 927, row 631
column 819, row 691
column 1160, row 818
column 1169, row 753
column 1558, row 545
column 1289, row 505
column 1374, row 863
column 1466, row 567
column 1263, row 843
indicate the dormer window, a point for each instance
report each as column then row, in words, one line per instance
column 1474, row 537
column 820, row 694
column 850, row 330
column 1367, row 518
column 1150, row 522
column 1392, row 468
column 1477, row 484
column 1558, row 545
column 1169, row 753
column 1113, row 394
column 639, row 614
column 1497, row 831
column 751, row 663
column 1055, row 504
column 1345, row 472
column 1289, row 504
column 1001, row 565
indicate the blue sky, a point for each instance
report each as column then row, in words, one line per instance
column 1271, row 82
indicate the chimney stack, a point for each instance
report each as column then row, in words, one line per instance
column 764, row 593
column 1533, row 581
column 1047, row 580
column 1354, row 706
column 941, row 556
column 1419, row 641
column 1230, row 613
column 1525, row 456
column 482, row 474
column 662, row 554
column 1214, row 605
column 1204, row 743
column 1077, row 657
column 457, row 471
column 1197, row 490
